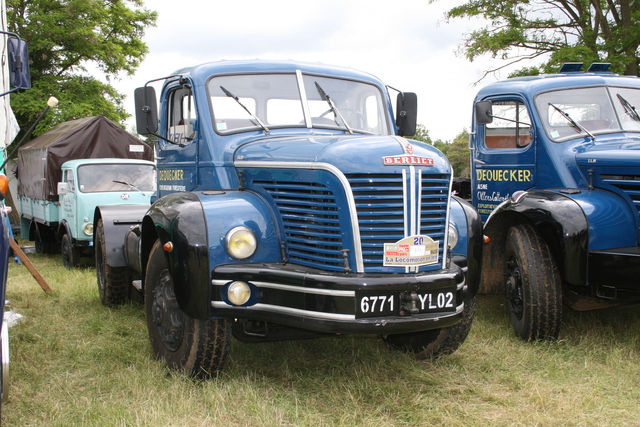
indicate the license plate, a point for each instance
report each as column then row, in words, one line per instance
column 383, row 304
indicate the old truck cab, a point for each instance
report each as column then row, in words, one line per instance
column 556, row 179
column 290, row 205
column 87, row 183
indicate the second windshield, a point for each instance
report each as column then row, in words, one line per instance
column 598, row 110
column 255, row 101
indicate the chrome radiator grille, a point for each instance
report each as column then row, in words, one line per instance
column 629, row 184
column 384, row 211
column 385, row 204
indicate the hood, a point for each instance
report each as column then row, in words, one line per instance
column 349, row 153
column 618, row 154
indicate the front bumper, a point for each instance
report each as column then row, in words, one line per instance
column 326, row 302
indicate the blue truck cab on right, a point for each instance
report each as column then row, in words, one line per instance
column 556, row 179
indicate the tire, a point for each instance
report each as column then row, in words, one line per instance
column 199, row 348
column 436, row 342
column 70, row 254
column 113, row 282
column 42, row 244
column 533, row 286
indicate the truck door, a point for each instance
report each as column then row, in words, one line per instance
column 177, row 171
column 68, row 201
column 503, row 155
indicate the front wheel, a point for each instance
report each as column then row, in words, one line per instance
column 113, row 282
column 199, row 348
column 533, row 285
column 70, row 254
column 436, row 342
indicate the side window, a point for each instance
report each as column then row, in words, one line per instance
column 182, row 115
column 511, row 126
column 70, row 180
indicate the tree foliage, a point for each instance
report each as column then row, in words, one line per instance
column 555, row 31
column 457, row 151
column 68, row 41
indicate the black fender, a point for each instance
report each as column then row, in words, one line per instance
column 196, row 224
column 475, row 243
column 63, row 228
column 117, row 220
column 558, row 219
column 179, row 218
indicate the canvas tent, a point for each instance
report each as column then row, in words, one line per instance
column 39, row 160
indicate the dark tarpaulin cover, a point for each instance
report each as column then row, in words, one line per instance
column 39, row 160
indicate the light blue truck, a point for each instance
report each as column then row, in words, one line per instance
column 65, row 173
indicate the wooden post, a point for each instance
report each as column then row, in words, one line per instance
column 32, row 269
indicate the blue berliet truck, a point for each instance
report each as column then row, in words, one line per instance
column 290, row 205
column 556, row 178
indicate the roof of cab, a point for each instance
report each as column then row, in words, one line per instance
column 202, row 72
column 529, row 86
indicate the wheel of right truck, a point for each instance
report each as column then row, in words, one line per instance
column 70, row 255
column 436, row 342
column 113, row 282
column 199, row 348
column 533, row 285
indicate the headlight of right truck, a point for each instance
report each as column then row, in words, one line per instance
column 241, row 243
column 452, row 238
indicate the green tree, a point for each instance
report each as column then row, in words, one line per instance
column 555, row 31
column 67, row 38
column 459, row 155
column 422, row 134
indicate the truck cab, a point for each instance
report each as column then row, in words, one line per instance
column 87, row 183
column 555, row 174
column 290, row 205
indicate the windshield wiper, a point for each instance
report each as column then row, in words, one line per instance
column 573, row 123
column 629, row 108
column 127, row 183
column 332, row 106
column 235, row 98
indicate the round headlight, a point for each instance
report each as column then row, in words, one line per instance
column 238, row 293
column 88, row 229
column 452, row 237
column 241, row 243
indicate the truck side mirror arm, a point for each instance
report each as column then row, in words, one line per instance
column 484, row 112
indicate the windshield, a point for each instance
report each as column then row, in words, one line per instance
column 570, row 113
column 116, row 177
column 268, row 101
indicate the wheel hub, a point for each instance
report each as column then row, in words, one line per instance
column 515, row 299
column 166, row 313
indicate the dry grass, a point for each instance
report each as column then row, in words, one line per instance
column 77, row 363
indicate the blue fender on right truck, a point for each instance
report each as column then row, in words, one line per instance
column 556, row 179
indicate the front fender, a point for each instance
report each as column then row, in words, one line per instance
column 196, row 223
column 558, row 219
column 470, row 240
column 117, row 221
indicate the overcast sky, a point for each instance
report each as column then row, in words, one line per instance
column 405, row 43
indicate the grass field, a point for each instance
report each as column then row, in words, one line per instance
column 77, row 363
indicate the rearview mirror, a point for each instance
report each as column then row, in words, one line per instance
column 146, row 110
column 63, row 188
column 484, row 112
column 18, row 63
column 406, row 113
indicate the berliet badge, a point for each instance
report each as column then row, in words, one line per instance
column 408, row 158
column 411, row 251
